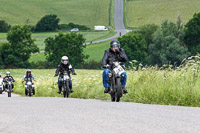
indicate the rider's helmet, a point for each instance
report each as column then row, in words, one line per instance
column 7, row 73
column 65, row 60
column 114, row 43
column 28, row 71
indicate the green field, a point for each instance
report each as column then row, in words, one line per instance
column 147, row 85
column 95, row 52
column 84, row 12
column 140, row 12
column 40, row 37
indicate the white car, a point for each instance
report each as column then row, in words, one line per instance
column 74, row 29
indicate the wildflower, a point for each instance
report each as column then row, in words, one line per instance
column 134, row 61
column 193, row 69
column 143, row 69
column 140, row 64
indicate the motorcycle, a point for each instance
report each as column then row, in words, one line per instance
column 115, row 76
column 9, row 87
column 29, row 87
column 65, row 85
column 1, row 86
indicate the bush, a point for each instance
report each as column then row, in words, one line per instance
column 69, row 44
column 192, row 34
column 20, row 45
column 4, row 27
column 47, row 23
column 72, row 25
column 135, row 46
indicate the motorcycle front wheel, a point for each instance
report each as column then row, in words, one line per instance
column 118, row 92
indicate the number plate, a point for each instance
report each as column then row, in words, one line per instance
column 118, row 70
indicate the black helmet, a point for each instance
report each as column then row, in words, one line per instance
column 114, row 43
column 28, row 71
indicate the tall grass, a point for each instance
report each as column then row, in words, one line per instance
column 149, row 85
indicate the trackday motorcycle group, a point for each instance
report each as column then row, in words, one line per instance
column 114, row 75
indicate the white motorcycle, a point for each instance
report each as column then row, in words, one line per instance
column 1, row 86
column 29, row 87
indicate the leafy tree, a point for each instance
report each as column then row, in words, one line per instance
column 70, row 44
column 192, row 34
column 17, row 52
column 135, row 46
column 4, row 27
column 166, row 46
column 147, row 32
column 47, row 23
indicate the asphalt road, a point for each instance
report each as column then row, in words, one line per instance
column 52, row 115
column 118, row 20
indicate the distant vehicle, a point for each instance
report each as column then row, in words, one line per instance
column 100, row 28
column 74, row 29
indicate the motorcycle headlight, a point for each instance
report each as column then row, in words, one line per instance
column 29, row 83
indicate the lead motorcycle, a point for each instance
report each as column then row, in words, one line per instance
column 65, row 84
column 9, row 88
column 115, row 76
column 29, row 87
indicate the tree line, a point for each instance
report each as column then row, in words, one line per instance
column 48, row 23
column 167, row 44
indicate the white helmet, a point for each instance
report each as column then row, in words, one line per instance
column 8, row 73
column 65, row 60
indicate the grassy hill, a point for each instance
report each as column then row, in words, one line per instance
column 84, row 12
column 140, row 12
column 40, row 37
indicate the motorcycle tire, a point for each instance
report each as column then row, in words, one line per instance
column 33, row 91
column 29, row 93
column 112, row 97
column 118, row 92
column 9, row 94
column 26, row 92
column 66, row 92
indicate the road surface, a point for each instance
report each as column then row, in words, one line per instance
column 59, row 115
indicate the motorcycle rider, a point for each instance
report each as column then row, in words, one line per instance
column 114, row 53
column 28, row 77
column 64, row 66
column 8, row 77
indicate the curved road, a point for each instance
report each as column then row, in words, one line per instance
column 59, row 115
column 118, row 20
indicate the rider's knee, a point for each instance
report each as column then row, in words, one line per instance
column 106, row 71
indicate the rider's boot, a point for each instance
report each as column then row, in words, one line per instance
column 59, row 91
column 33, row 91
column 106, row 89
column 124, row 90
column 71, row 90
